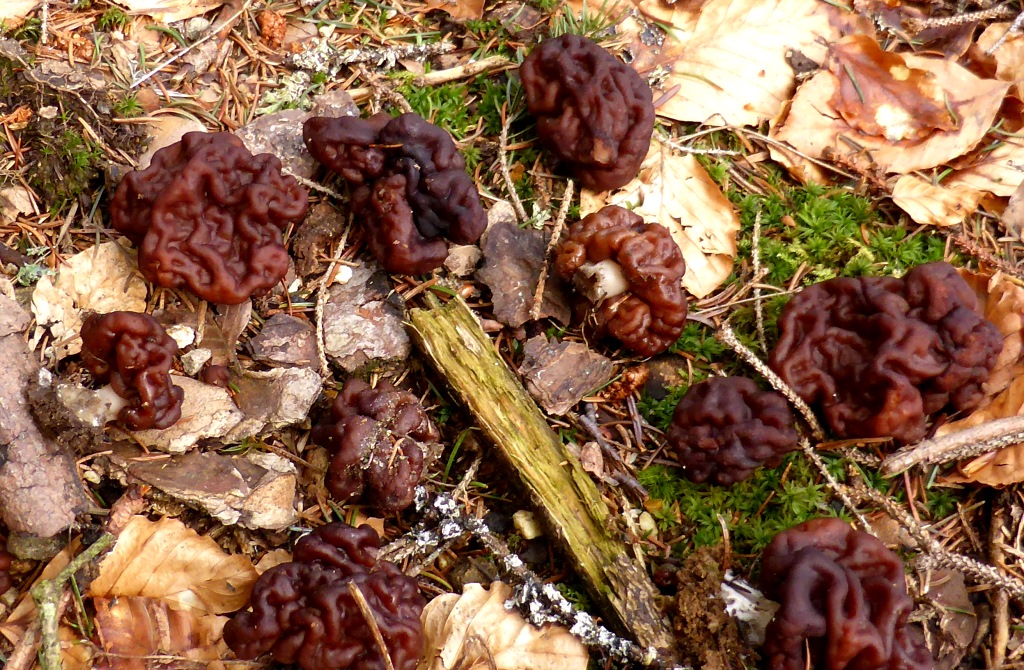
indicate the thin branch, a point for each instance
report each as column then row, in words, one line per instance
column 556, row 234
column 371, row 621
column 989, row 436
column 510, row 186
column 755, row 255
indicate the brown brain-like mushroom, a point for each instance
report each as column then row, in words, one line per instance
column 5, row 565
column 593, row 111
column 631, row 272
column 726, row 427
column 208, row 215
column 378, row 439
column 134, row 353
column 409, row 186
column 843, row 598
column 878, row 355
column 307, row 612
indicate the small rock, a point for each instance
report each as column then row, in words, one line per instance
column 193, row 361
column 334, row 103
column 273, row 399
column 513, row 258
column 559, row 374
column 526, row 524
column 280, row 134
column 463, row 259
column 286, row 341
column 360, row 325
column 207, row 411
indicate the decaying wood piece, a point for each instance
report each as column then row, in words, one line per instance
column 453, row 340
column 40, row 492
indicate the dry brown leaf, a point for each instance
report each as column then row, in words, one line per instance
column 934, row 204
column 997, row 169
column 131, row 628
column 1002, row 303
column 14, row 627
column 812, row 126
column 1009, row 57
column 879, row 94
column 730, row 64
column 676, row 192
column 169, row 11
column 474, row 631
column 459, row 9
column 166, row 560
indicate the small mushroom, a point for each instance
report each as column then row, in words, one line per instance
column 378, row 439
column 629, row 272
column 726, row 427
column 844, row 602
column 134, row 353
column 409, row 186
column 5, row 565
column 879, row 355
column 593, row 111
column 208, row 215
column 309, row 612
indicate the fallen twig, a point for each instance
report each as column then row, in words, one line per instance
column 981, row 439
column 556, row 234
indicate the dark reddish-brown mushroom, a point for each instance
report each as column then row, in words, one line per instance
column 378, row 439
column 308, row 611
column 843, row 599
column 630, row 273
column 208, row 215
column 5, row 565
column 878, row 355
column 593, row 111
column 726, row 427
column 408, row 182
column 134, row 353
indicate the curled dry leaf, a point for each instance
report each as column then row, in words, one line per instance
column 169, row 11
column 1002, row 302
column 130, row 629
column 459, row 9
column 474, row 631
column 934, row 204
column 728, row 62
column 1008, row 58
column 879, row 94
column 101, row 279
column 168, row 561
column 814, row 127
column 676, row 192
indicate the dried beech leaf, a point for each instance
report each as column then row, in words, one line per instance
column 731, row 65
column 879, row 94
column 813, row 127
column 16, row 9
column 131, row 628
column 676, row 192
column 169, row 561
column 169, row 11
column 998, row 169
column 1002, row 302
column 1009, row 57
column 474, row 631
column 459, row 9
column 18, row 620
column 934, row 204
column 103, row 279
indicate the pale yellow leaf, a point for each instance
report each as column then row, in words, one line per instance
column 459, row 9
column 999, row 170
column 169, row 561
column 16, row 9
column 676, row 192
column 814, row 128
column 169, row 11
column 934, row 204
column 731, row 67
column 474, row 631
column 1009, row 57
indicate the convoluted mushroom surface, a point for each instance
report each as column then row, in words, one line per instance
column 307, row 612
column 408, row 183
column 377, row 438
column 134, row 353
column 5, row 564
column 208, row 215
column 878, row 355
column 593, row 111
column 724, row 428
column 630, row 272
column 843, row 598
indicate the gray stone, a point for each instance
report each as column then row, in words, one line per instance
column 360, row 325
column 280, row 134
column 286, row 341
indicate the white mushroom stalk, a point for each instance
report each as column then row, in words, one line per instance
column 600, row 281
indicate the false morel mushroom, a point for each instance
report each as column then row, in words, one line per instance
column 843, row 600
column 5, row 565
column 726, row 427
column 878, row 355
column 629, row 272
column 134, row 353
column 593, row 111
column 308, row 611
column 408, row 183
column 208, row 215
column 378, row 439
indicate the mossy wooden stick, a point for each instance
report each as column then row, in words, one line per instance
column 451, row 337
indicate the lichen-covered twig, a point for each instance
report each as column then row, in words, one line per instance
column 327, row 59
column 556, row 234
column 728, row 337
column 510, row 186
column 967, row 443
column 759, row 273
column 488, row 65
column 837, row 489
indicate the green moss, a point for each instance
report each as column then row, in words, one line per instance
column 112, row 19
column 447, row 105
